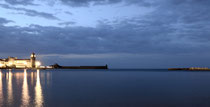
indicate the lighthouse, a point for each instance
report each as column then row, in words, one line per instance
column 33, row 60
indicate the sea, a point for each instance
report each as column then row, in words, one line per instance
column 104, row 88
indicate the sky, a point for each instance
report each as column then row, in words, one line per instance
column 120, row 33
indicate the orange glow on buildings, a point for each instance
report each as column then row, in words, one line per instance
column 13, row 62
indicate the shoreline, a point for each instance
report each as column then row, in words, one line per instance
column 61, row 67
column 189, row 69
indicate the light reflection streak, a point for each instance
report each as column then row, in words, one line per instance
column 22, row 93
column 25, row 93
column 9, row 88
column 38, row 92
column 32, row 78
column 1, row 90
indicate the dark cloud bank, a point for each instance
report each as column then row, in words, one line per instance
column 177, row 32
column 76, row 3
column 30, row 12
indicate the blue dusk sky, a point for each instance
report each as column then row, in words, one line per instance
column 120, row 33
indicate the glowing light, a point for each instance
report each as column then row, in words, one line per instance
column 25, row 93
column 10, row 63
column 9, row 88
column 1, row 65
column 38, row 63
column 38, row 92
column 25, row 63
column 1, row 90
column 22, row 62
column 32, row 55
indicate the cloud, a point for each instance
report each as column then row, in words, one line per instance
column 30, row 12
column 82, row 56
column 76, row 3
column 20, row 2
column 69, row 13
column 4, row 21
column 133, row 36
column 79, row 3
column 173, row 28
column 67, row 23
column 176, row 31
column 190, row 18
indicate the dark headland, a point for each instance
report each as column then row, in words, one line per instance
column 56, row 66
column 191, row 69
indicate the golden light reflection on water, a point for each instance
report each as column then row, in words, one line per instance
column 38, row 91
column 22, row 89
column 1, row 90
column 25, row 94
column 9, row 87
column 32, row 78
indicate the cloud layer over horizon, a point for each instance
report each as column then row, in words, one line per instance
column 166, row 28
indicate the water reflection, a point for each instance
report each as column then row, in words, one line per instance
column 9, row 87
column 22, row 88
column 38, row 91
column 25, row 94
column 32, row 78
column 1, row 90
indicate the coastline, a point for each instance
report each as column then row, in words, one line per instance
column 56, row 66
column 190, row 69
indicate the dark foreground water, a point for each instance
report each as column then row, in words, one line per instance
column 105, row 88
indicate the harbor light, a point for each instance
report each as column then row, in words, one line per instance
column 14, row 62
column 1, row 65
column 10, row 63
column 25, row 63
column 38, row 63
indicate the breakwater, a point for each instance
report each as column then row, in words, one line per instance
column 57, row 66
column 191, row 69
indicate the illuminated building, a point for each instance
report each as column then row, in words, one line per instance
column 13, row 62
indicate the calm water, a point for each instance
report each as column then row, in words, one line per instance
column 104, row 88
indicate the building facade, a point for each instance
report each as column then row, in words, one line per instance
column 14, row 62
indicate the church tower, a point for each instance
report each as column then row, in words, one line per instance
column 33, row 60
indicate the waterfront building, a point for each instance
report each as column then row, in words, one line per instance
column 14, row 62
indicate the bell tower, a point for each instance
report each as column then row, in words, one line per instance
column 33, row 60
